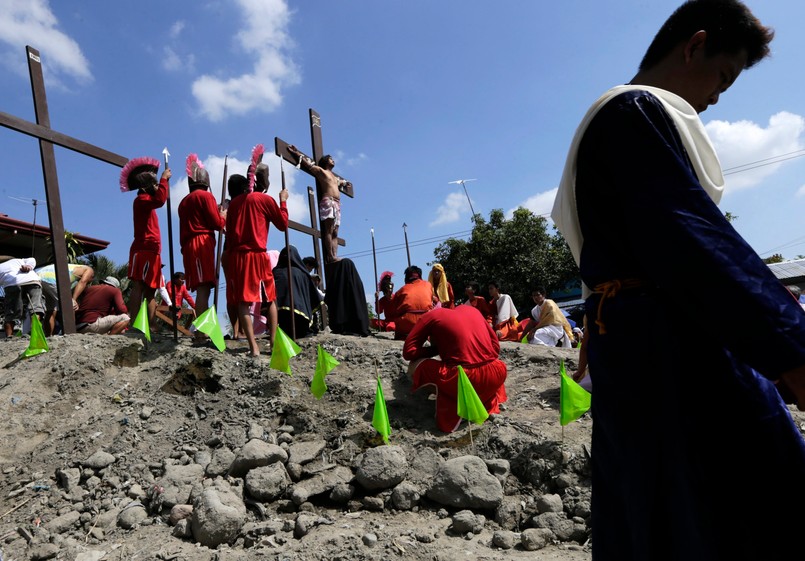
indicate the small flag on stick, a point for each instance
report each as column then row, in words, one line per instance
column 380, row 417
column 282, row 353
column 325, row 362
column 524, row 340
column 141, row 321
column 208, row 324
column 38, row 344
column 470, row 406
column 574, row 401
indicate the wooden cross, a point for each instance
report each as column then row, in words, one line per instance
column 281, row 149
column 47, row 138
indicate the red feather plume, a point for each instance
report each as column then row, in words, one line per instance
column 192, row 166
column 257, row 157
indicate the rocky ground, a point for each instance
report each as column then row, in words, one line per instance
column 111, row 449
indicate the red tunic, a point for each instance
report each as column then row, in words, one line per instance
column 199, row 219
column 460, row 336
column 410, row 302
column 182, row 294
column 247, row 236
column 480, row 304
column 144, row 254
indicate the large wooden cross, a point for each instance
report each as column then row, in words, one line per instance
column 281, row 149
column 47, row 138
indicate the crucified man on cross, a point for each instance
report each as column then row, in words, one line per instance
column 327, row 186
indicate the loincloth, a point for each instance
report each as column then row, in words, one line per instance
column 330, row 208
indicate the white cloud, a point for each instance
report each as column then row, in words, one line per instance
column 540, row 204
column 752, row 150
column 800, row 192
column 31, row 22
column 451, row 209
column 176, row 29
column 264, row 37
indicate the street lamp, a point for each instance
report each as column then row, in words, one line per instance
column 462, row 182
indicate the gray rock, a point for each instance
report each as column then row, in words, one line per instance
column 131, row 515
column 255, row 431
column 373, row 503
column 382, row 467
column 63, row 523
column 254, row 454
column 369, row 540
column 306, row 451
column 268, row 483
column 182, row 529
column 342, row 493
column 499, row 468
column 180, row 482
column 549, row 503
column 91, row 555
column 69, row 478
column 43, row 551
column 405, row 496
column 533, row 539
column 424, row 466
column 304, row 523
column 509, row 513
column 218, row 515
column 504, row 539
column 465, row 521
column 222, row 458
column 322, row 483
column 465, row 482
column 99, row 460
column 107, row 519
column 557, row 523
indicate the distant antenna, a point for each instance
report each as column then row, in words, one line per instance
column 462, row 182
column 33, row 230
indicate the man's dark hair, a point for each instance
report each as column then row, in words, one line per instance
column 310, row 261
column 540, row 290
column 494, row 283
column 178, row 275
column 413, row 272
column 236, row 185
column 476, row 288
column 730, row 26
column 323, row 160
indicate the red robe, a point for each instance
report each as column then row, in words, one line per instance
column 249, row 267
column 410, row 302
column 460, row 336
column 199, row 219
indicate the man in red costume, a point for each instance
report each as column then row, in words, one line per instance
column 384, row 306
column 199, row 219
column 247, row 225
column 140, row 174
column 473, row 293
column 459, row 336
column 410, row 302
column 177, row 290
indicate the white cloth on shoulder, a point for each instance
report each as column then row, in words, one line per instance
column 694, row 138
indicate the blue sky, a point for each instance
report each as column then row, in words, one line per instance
column 412, row 95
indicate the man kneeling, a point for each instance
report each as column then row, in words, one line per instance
column 102, row 310
column 459, row 336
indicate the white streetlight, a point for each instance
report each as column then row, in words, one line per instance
column 462, row 182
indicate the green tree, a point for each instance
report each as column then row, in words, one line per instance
column 105, row 267
column 518, row 252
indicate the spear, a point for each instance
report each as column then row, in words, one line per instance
column 407, row 252
column 220, row 240
column 290, row 275
column 167, row 154
column 374, row 258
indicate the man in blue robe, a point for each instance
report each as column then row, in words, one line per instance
column 695, row 455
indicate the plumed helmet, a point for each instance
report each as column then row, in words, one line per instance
column 138, row 173
column 257, row 157
column 197, row 176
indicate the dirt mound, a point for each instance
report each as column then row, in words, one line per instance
column 91, row 428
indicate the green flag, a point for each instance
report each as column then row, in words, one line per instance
column 325, row 362
column 141, row 321
column 574, row 401
column 208, row 324
column 380, row 417
column 524, row 339
column 38, row 344
column 470, row 406
column 282, row 353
